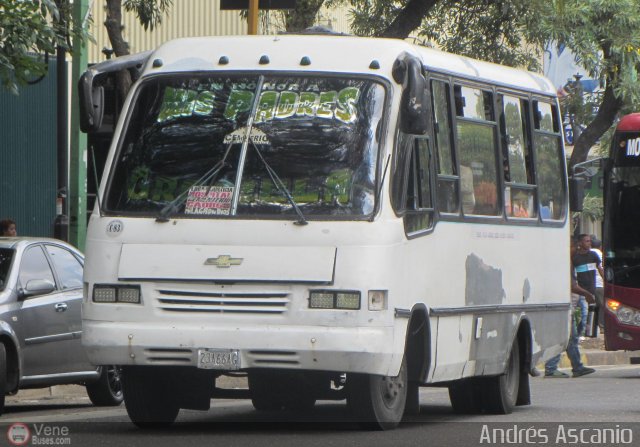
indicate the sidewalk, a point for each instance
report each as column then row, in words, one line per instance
column 593, row 354
column 592, row 350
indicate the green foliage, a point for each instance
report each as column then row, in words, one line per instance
column 493, row 31
column 605, row 37
column 28, row 30
column 149, row 12
column 26, row 27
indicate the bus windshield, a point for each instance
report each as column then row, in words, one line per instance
column 251, row 146
column 623, row 213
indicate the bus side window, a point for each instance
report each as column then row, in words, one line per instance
column 448, row 179
column 550, row 164
column 520, row 189
column 419, row 201
column 476, row 141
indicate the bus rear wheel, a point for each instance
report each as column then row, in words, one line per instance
column 148, row 398
column 378, row 402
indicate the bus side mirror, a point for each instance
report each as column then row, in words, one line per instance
column 414, row 117
column 576, row 193
column 91, row 103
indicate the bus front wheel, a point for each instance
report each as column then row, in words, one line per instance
column 378, row 402
column 501, row 392
column 148, row 397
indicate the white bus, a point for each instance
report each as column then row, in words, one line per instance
column 336, row 217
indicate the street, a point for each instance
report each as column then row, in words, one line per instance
column 606, row 399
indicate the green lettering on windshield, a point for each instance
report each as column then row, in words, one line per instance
column 266, row 107
column 327, row 104
column 239, row 101
column 287, row 105
column 308, row 104
column 346, row 108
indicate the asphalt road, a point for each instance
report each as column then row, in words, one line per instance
column 561, row 408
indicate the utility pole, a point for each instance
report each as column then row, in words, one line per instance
column 78, row 154
column 253, row 17
column 61, row 222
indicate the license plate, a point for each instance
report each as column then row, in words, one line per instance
column 227, row 359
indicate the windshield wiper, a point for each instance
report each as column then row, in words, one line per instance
column 281, row 187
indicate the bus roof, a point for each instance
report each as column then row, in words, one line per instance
column 328, row 54
column 630, row 122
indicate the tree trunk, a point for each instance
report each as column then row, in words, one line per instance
column 409, row 19
column 114, row 27
column 303, row 16
column 607, row 112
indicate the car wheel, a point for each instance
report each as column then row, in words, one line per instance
column 3, row 376
column 107, row 390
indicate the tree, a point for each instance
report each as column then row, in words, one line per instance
column 29, row 30
column 605, row 37
column 149, row 14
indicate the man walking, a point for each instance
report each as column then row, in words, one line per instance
column 573, row 351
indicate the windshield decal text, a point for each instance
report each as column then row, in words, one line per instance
column 209, row 200
column 273, row 105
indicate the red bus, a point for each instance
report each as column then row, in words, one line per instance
column 621, row 237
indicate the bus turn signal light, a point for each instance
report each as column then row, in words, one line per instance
column 613, row 305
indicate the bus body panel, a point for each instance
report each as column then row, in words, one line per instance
column 244, row 283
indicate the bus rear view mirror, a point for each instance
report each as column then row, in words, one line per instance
column 91, row 103
column 414, row 110
column 576, row 193
column 91, row 93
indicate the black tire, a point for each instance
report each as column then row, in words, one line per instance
column 265, row 396
column 378, row 402
column 3, row 376
column 148, row 398
column 412, row 406
column 107, row 390
column 466, row 396
column 501, row 392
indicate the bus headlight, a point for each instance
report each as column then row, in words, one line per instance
column 624, row 314
column 339, row 299
column 105, row 293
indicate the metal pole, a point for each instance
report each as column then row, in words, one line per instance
column 61, row 224
column 253, row 17
column 78, row 158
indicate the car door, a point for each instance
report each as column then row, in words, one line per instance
column 68, row 268
column 42, row 319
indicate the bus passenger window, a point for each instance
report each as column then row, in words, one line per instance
column 445, row 164
column 550, row 166
column 476, row 139
column 519, row 193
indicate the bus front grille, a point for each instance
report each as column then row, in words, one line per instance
column 235, row 302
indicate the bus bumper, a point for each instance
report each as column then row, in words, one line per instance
column 337, row 349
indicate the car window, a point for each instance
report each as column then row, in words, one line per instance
column 6, row 256
column 34, row 266
column 67, row 266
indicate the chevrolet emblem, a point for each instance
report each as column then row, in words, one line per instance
column 223, row 261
